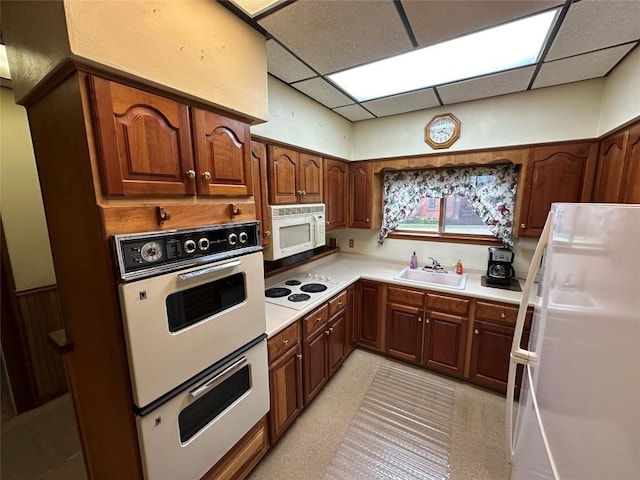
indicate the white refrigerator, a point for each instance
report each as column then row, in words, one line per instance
column 578, row 412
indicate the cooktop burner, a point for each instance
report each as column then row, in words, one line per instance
column 300, row 290
column 298, row 297
column 276, row 292
column 313, row 287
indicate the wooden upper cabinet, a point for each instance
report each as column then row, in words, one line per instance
column 336, row 190
column 143, row 140
column 310, row 175
column 631, row 176
column 560, row 173
column 360, row 198
column 294, row 177
column 618, row 178
column 223, row 154
column 259, row 181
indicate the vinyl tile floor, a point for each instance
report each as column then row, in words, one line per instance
column 43, row 444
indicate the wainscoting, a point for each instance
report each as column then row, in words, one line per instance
column 40, row 313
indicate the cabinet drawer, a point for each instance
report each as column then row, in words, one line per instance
column 501, row 313
column 443, row 303
column 283, row 341
column 314, row 320
column 404, row 296
column 337, row 303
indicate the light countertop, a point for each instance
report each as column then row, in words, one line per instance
column 348, row 268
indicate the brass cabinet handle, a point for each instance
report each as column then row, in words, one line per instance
column 299, row 355
column 523, row 225
column 318, row 319
column 206, row 175
column 339, row 304
column 476, row 331
column 331, row 329
column 267, row 233
column 285, row 341
column 327, row 332
column 367, row 220
column 190, row 174
column 426, row 320
column 502, row 315
column 419, row 319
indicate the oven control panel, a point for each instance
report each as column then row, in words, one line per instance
column 146, row 254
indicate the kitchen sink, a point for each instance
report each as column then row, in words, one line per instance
column 570, row 299
column 443, row 279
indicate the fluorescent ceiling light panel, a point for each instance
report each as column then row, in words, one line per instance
column 507, row 46
column 254, row 8
column 4, row 63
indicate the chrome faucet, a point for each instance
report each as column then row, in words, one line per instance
column 435, row 265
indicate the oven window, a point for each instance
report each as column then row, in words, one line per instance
column 195, row 304
column 295, row 235
column 204, row 410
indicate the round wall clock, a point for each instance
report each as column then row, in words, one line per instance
column 442, row 131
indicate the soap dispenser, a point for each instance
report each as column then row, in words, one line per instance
column 414, row 261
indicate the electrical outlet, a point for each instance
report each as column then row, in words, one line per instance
column 351, row 243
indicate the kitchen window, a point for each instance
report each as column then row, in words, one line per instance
column 471, row 204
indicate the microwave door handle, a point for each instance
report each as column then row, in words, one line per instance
column 219, row 378
column 205, row 271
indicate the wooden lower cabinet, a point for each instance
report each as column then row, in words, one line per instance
column 445, row 339
column 353, row 326
column 285, row 386
column 404, row 332
column 337, row 341
column 371, row 311
column 244, row 456
column 315, row 351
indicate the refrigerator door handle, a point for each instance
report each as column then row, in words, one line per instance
column 520, row 355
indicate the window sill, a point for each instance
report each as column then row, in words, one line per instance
column 444, row 237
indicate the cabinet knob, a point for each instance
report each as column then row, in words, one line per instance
column 318, row 319
column 523, row 225
column 304, row 192
column 339, row 304
column 476, row 331
column 426, row 320
column 419, row 319
column 285, row 341
column 502, row 315
column 206, row 175
column 299, row 355
column 331, row 329
column 190, row 174
column 267, row 233
column 367, row 219
column 327, row 332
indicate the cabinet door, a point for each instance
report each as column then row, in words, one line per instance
column 310, row 175
column 337, row 341
column 336, row 193
column 404, row 332
column 555, row 174
column 144, row 141
column 285, row 386
column 360, row 184
column 223, row 154
column 608, row 188
column 490, row 349
column 282, row 167
column 370, row 294
column 259, row 180
column 444, row 342
column 352, row 322
column 315, row 362
column 631, row 175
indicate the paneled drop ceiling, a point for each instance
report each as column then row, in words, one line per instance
column 307, row 40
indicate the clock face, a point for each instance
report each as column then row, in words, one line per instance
column 442, row 131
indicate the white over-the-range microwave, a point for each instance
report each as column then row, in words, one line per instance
column 294, row 229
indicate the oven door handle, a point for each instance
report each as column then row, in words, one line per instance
column 204, row 271
column 219, row 378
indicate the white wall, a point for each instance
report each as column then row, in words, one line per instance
column 621, row 94
column 296, row 119
column 564, row 112
column 21, row 201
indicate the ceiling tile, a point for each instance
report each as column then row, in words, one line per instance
column 334, row 35
column 285, row 66
column 487, row 86
column 439, row 20
column 322, row 91
column 581, row 67
column 353, row 113
column 407, row 102
column 595, row 24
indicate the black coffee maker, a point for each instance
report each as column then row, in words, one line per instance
column 500, row 269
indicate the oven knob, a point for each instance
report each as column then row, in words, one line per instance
column 203, row 243
column 189, row 246
column 233, row 239
column 243, row 237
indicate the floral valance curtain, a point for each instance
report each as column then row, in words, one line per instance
column 490, row 190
